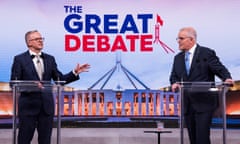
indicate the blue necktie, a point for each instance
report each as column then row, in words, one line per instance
column 187, row 61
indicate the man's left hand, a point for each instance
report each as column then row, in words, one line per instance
column 81, row 68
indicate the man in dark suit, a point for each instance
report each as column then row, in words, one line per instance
column 196, row 63
column 36, row 109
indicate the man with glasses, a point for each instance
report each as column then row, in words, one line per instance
column 195, row 63
column 36, row 109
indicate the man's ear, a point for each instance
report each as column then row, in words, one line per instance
column 28, row 44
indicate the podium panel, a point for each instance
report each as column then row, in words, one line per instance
column 25, row 87
column 214, row 90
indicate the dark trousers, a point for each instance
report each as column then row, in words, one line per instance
column 198, row 125
column 28, row 123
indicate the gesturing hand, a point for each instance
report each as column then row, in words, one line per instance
column 81, row 68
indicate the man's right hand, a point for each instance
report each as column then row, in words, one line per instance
column 175, row 87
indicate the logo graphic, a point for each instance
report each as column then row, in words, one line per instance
column 110, row 32
column 157, row 35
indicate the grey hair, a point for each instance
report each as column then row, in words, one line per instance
column 27, row 35
column 190, row 31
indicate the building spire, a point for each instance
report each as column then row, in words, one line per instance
column 119, row 67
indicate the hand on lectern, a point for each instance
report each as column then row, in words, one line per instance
column 175, row 87
column 229, row 82
column 40, row 85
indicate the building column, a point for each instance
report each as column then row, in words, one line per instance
column 75, row 104
column 161, row 99
column 167, row 103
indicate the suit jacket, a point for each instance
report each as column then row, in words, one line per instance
column 23, row 68
column 205, row 66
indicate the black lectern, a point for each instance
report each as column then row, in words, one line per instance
column 214, row 87
column 36, row 86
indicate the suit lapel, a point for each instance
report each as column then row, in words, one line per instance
column 44, row 64
column 182, row 65
column 30, row 64
column 47, row 66
column 195, row 60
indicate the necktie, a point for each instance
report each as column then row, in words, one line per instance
column 39, row 67
column 187, row 61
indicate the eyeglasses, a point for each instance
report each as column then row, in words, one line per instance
column 181, row 38
column 38, row 39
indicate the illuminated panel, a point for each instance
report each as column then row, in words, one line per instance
column 79, row 108
column 101, row 104
column 110, row 103
column 6, row 103
column 135, row 104
column 233, row 103
column 94, row 104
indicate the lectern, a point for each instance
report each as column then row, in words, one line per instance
column 36, row 86
column 211, row 87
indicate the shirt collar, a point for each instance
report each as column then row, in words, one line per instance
column 192, row 50
column 33, row 53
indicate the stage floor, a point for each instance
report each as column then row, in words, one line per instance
column 123, row 136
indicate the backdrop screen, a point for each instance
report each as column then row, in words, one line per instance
column 139, row 34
